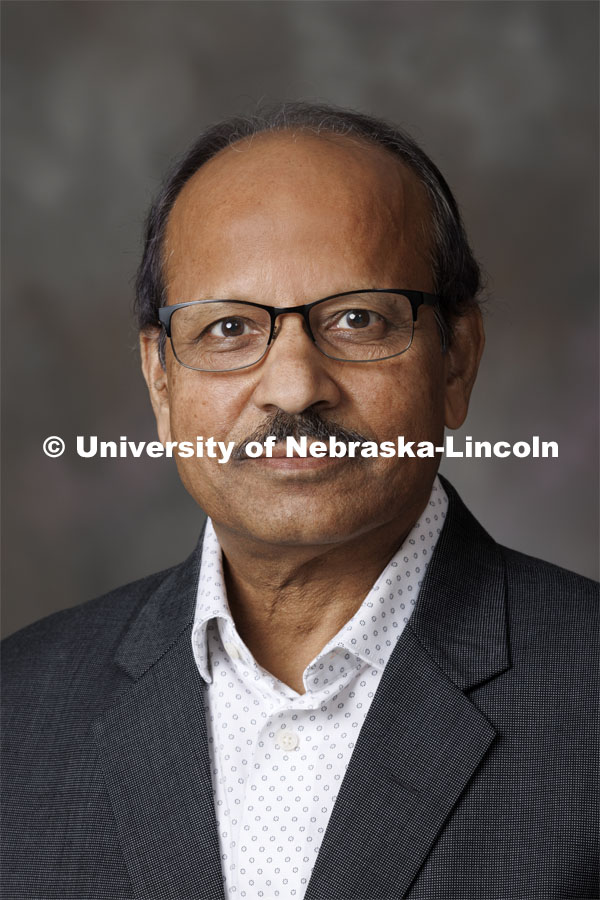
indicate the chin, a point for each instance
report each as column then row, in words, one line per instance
column 310, row 522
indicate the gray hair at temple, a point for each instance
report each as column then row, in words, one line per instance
column 456, row 272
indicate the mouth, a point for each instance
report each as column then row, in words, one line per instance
column 279, row 460
column 280, row 452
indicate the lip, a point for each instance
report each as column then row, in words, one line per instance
column 297, row 463
column 278, row 460
column 279, row 452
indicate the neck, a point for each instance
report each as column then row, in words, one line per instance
column 289, row 601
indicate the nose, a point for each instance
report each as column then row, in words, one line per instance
column 294, row 375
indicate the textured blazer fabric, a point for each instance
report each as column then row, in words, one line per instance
column 490, row 694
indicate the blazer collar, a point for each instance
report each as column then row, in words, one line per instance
column 460, row 617
column 163, row 618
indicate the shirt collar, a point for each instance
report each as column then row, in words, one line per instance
column 211, row 599
column 372, row 632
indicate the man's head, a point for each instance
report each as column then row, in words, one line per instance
column 319, row 202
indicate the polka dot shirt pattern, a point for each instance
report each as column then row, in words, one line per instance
column 279, row 757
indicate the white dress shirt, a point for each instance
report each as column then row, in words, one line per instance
column 279, row 757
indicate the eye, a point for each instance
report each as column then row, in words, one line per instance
column 232, row 326
column 358, row 318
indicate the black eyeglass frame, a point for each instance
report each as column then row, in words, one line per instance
column 415, row 298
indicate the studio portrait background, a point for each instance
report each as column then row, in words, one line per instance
column 98, row 99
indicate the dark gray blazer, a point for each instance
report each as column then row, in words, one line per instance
column 489, row 694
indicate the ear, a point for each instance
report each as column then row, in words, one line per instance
column 462, row 362
column 156, row 379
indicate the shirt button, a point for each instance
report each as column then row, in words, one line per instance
column 232, row 651
column 287, row 740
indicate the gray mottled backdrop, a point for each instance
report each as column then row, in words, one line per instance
column 98, row 97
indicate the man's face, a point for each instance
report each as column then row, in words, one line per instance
column 284, row 220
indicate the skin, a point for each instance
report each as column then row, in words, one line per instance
column 286, row 219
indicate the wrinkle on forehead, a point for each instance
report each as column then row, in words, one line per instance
column 287, row 196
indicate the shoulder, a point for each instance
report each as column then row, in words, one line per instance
column 549, row 604
column 82, row 637
column 529, row 576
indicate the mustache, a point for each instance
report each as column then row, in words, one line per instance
column 282, row 425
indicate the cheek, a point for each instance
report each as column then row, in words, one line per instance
column 407, row 399
column 200, row 410
column 200, row 406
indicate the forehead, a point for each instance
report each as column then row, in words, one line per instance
column 293, row 206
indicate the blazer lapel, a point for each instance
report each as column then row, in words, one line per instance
column 423, row 738
column 154, row 751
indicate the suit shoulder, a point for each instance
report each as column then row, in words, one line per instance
column 531, row 573
column 96, row 625
column 548, row 601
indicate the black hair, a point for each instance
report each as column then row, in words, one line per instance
column 457, row 275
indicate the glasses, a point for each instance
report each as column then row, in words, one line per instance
column 356, row 326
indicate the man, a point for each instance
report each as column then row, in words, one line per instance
column 349, row 690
